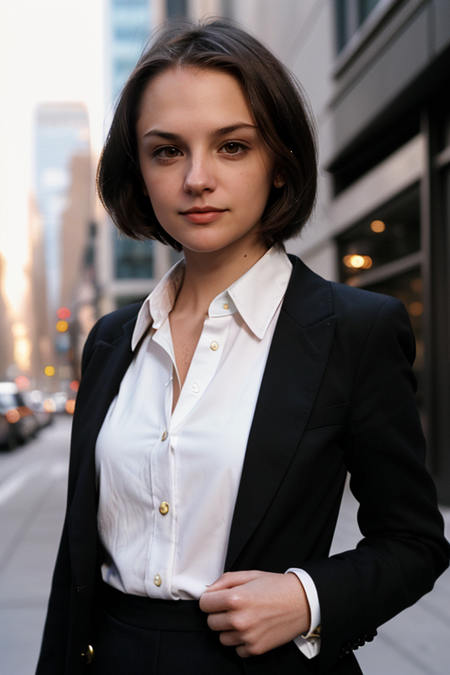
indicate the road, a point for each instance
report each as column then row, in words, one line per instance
column 33, row 482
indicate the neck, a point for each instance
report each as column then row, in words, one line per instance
column 208, row 274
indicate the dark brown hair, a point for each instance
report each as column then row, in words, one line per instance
column 278, row 107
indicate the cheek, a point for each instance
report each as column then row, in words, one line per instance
column 160, row 189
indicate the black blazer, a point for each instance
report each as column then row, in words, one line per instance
column 337, row 395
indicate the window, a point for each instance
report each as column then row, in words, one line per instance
column 350, row 15
column 382, row 253
column 364, row 9
column 387, row 235
column 133, row 259
column 176, row 8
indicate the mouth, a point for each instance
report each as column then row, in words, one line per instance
column 202, row 214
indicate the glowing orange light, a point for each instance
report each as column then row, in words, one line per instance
column 49, row 405
column 70, row 406
column 13, row 416
column 377, row 226
column 49, row 371
column 63, row 313
column 62, row 326
column 357, row 262
column 74, row 385
column 416, row 308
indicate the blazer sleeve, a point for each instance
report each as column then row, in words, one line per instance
column 403, row 549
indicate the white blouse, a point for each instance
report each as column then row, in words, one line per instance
column 168, row 481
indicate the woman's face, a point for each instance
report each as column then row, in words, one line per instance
column 203, row 161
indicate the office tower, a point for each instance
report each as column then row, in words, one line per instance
column 61, row 133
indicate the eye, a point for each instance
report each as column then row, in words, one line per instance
column 233, row 148
column 167, row 152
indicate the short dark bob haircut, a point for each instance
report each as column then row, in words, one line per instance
column 278, row 106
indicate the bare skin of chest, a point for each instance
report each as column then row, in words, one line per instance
column 186, row 330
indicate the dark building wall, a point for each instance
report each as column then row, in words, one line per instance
column 401, row 61
column 391, row 84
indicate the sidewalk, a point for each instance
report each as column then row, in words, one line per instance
column 417, row 641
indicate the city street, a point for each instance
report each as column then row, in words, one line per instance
column 32, row 498
column 33, row 482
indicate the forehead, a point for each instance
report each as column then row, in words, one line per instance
column 194, row 97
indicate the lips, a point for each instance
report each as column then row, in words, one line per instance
column 202, row 214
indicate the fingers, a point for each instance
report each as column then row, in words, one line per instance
column 219, row 596
column 220, row 621
column 230, row 579
column 256, row 611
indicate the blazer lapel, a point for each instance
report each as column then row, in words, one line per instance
column 101, row 381
column 294, row 370
column 100, row 384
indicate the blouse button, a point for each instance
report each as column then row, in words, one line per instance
column 88, row 654
column 164, row 508
column 157, row 580
column 164, row 436
column 214, row 346
column 225, row 305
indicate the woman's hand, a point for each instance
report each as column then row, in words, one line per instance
column 256, row 611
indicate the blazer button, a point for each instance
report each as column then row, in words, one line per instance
column 88, row 654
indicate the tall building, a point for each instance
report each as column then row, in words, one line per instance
column 376, row 73
column 36, row 315
column 128, row 270
column 61, row 132
column 6, row 352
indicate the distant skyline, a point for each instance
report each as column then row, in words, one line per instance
column 50, row 51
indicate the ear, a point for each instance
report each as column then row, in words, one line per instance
column 278, row 181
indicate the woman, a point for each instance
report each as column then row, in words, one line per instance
column 215, row 424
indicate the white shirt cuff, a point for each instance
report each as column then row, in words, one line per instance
column 309, row 647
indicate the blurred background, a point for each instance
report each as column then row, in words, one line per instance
column 376, row 73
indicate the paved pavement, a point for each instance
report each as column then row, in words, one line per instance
column 33, row 482
column 417, row 641
column 32, row 497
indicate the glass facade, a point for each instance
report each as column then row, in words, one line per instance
column 130, row 29
column 382, row 253
column 364, row 9
column 61, row 133
column 133, row 259
column 350, row 15
column 134, row 263
column 387, row 235
column 176, row 7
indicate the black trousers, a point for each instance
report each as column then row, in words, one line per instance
column 140, row 636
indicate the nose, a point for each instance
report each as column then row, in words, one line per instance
column 199, row 177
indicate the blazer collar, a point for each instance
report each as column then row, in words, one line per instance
column 294, row 369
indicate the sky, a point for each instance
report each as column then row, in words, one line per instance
column 50, row 50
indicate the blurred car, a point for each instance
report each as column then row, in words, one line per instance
column 22, row 421
column 35, row 400
column 56, row 402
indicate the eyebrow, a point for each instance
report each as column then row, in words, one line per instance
column 222, row 131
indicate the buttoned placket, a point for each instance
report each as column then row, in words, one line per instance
column 165, row 453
